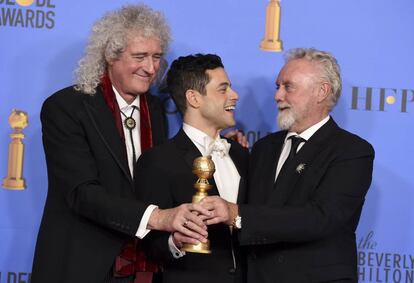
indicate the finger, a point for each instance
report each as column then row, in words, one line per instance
column 204, row 218
column 184, row 239
column 196, row 228
column 212, row 202
column 197, row 225
column 231, row 134
column 242, row 140
column 214, row 220
column 208, row 205
column 209, row 199
column 191, row 234
column 176, row 240
column 240, row 137
column 200, row 209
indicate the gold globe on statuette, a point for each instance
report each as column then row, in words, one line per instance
column 18, row 120
column 203, row 168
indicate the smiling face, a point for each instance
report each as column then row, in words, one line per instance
column 217, row 105
column 299, row 96
column 136, row 68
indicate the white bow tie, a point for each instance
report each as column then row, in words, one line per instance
column 219, row 147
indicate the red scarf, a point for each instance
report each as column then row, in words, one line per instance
column 131, row 260
column 144, row 115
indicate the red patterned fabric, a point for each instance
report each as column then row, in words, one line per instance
column 131, row 260
column 109, row 96
column 145, row 120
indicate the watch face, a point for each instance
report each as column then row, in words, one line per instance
column 237, row 222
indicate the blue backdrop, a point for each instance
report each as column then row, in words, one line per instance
column 41, row 43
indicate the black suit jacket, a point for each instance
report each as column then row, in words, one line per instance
column 165, row 178
column 91, row 207
column 303, row 229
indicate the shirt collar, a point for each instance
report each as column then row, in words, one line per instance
column 197, row 136
column 123, row 105
column 308, row 133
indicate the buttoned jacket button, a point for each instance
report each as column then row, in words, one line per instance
column 280, row 259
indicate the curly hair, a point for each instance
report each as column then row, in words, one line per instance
column 189, row 72
column 330, row 70
column 109, row 38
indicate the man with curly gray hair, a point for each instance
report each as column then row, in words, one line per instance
column 93, row 133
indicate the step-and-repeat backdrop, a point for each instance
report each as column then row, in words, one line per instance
column 373, row 40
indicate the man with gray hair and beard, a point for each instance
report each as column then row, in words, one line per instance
column 307, row 183
column 93, row 133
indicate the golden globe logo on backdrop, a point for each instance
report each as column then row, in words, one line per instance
column 14, row 180
column 35, row 14
column 271, row 40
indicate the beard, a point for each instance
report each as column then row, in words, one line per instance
column 286, row 118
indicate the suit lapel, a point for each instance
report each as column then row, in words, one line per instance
column 187, row 148
column 240, row 164
column 104, row 123
column 237, row 158
column 190, row 152
column 288, row 178
column 267, row 172
column 157, row 120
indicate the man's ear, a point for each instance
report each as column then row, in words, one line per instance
column 193, row 98
column 324, row 91
column 109, row 61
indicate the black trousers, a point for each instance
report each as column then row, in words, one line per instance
column 109, row 278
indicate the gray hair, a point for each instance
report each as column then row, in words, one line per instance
column 330, row 71
column 109, row 38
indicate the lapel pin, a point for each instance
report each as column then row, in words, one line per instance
column 300, row 168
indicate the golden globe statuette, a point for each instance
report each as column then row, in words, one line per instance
column 18, row 120
column 204, row 168
column 271, row 41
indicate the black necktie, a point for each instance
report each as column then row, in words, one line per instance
column 295, row 142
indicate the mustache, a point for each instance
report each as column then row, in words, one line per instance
column 283, row 105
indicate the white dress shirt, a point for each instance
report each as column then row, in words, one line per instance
column 126, row 108
column 306, row 135
column 226, row 176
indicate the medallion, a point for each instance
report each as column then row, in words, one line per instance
column 130, row 123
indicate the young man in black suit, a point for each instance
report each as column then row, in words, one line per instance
column 307, row 183
column 202, row 91
column 93, row 134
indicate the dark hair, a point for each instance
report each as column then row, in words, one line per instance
column 189, row 72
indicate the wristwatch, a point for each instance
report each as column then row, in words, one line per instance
column 237, row 222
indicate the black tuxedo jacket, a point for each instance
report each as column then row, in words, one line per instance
column 91, row 207
column 303, row 229
column 165, row 178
